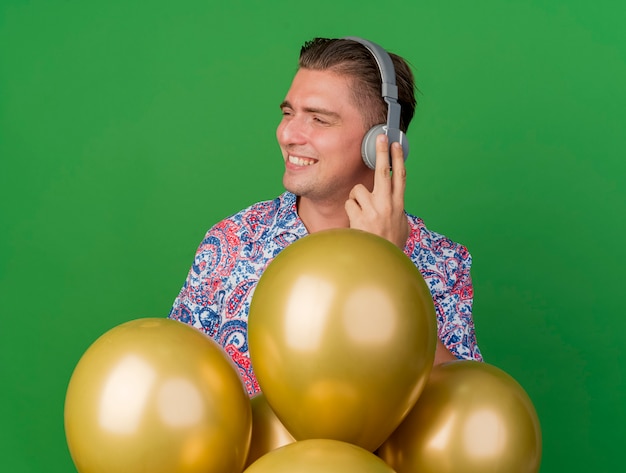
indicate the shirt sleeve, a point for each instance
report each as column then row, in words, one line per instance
column 454, row 308
column 200, row 302
column 445, row 266
column 214, row 296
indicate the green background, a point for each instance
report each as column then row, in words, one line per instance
column 127, row 128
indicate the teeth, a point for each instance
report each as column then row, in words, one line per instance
column 301, row 161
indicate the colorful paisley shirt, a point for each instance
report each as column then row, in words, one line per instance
column 234, row 253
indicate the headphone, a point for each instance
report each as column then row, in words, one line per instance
column 390, row 96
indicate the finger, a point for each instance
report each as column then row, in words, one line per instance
column 360, row 194
column 382, row 177
column 353, row 210
column 398, row 177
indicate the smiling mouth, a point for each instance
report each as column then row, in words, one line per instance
column 298, row 161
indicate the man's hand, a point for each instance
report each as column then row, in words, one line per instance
column 382, row 211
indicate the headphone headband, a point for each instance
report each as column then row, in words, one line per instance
column 385, row 65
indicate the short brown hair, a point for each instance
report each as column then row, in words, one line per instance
column 353, row 59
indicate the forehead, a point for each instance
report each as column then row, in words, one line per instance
column 327, row 89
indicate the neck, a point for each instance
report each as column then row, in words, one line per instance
column 318, row 216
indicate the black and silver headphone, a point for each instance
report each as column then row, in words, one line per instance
column 390, row 96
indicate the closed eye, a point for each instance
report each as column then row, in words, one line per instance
column 321, row 121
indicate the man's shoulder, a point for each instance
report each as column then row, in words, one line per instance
column 259, row 217
column 424, row 239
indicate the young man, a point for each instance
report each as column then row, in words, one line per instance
column 334, row 99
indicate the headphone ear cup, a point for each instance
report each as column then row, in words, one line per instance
column 368, row 145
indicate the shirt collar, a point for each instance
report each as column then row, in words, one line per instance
column 287, row 223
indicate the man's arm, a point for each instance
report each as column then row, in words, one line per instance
column 198, row 302
column 382, row 212
column 215, row 297
column 454, row 308
column 442, row 354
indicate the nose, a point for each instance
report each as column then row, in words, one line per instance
column 291, row 131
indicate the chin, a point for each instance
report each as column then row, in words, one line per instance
column 295, row 191
column 290, row 187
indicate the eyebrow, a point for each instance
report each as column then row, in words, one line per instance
column 321, row 111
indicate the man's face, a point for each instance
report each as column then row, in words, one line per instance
column 320, row 137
